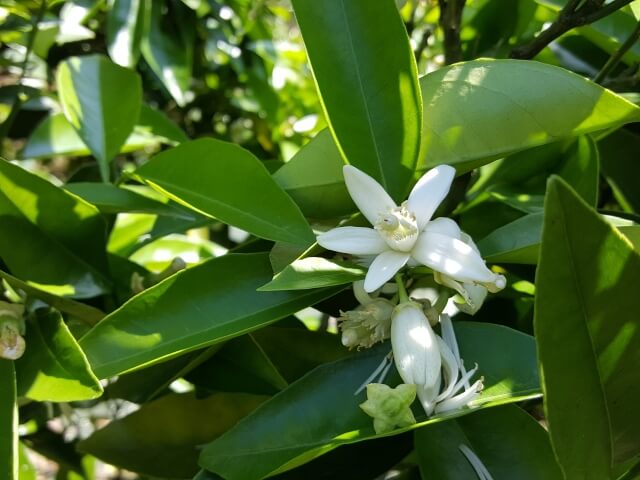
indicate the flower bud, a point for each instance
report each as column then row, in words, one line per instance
column 389, row 407
column 416, row 352
column 12, row 344
column 366, row 324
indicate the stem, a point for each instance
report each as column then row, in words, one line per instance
column 618, row 54
column 441, row 301
column 19, row 99
column 450, row 18
column 402, row 292
column 570, row 16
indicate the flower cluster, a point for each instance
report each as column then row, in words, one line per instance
column 429, row 363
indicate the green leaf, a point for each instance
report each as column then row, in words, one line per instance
column 314, row 272
column 240, row 366
column 162, row 439
column 8, row 422
column 581, row 169
column 101, row 100
column 203, row 305
column 313, row 178
column 585, row 319
column 53, row 367
column 484, row 109
column 111, row 199
column 515, row 242
column 366, row 75
column 125, row 22
column 66, row 235
column 621, row 168
column 55, row 136
column 149, row 383
column 82, row 311
column 167, row 46
column 320, row 412
column 508, row 442
column 225, row 181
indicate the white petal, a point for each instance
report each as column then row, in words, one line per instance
column 461, row 400
column 429, row 193
column 383, row 268
column 451, row 257
column 354, row 240
column 415, row 347
column 450, row 367
column 445, row 226
column 367, row 194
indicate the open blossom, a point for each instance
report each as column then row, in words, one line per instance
column 407, row 233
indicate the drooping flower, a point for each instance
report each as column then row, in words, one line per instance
column 407, row 233
column 431, row 362
column 416, row 352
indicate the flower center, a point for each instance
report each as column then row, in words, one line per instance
column 399, row 228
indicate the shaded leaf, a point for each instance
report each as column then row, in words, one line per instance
column 8, row 421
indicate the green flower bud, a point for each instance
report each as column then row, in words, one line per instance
column 389, row 407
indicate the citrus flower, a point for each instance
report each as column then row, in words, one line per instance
column 430, row 362
column 407, row 233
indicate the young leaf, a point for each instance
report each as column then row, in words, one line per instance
column 50, row 239
column 8, row 421
column 320, row 411
column 53, row 368
column 480, row 110
column 366, row 75
column 203, row 305
column 585, row 319
column 162, row 439
column 227, row 182
column 101, row 100
column 508, row 442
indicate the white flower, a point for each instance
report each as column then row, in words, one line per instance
column 416, row 352
column 406, row 232
column 431, row 362
column 471, row 295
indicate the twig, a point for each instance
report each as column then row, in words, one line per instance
column 618, row 54
column 19, row 99
column 424, row 41
column 574, row 14
column 450, row 17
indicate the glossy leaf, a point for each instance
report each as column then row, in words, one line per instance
column 313, row 178
column 111, row 199
column 167, row 46
column 8, row 421
column 55, row 136
column 515, row 242
column 374, row 108
column 203, row 305
column 585, row 321
column 66, row 234
column 227, row 182
column 314, row 272
column 508, row 442
column 125, row 23
column 53, row 367
column 483, row 109
column 168, row 448
column 101, row 100
column 320, row 412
